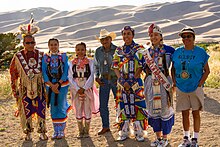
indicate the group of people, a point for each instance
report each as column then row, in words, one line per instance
column 39, row 80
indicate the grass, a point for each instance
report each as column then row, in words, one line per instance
column 213, row 80
column 5, row 88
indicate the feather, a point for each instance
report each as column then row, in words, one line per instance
column 29, row 29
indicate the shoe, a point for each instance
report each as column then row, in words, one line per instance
column 60, row 135
column 163, row 143
column 139, row 138
column 122, row 138
column 186, row 142
column 43, row 136
column 86, row 130
column 28, row 137
column 103, row 131
column 54, row 136
column 80, row 135
column 155, row 143
column 194, row 142
column 80, row 128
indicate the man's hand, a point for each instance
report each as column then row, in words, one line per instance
column 99, row 82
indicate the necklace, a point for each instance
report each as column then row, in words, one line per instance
column 185, row 61
column 80, row 62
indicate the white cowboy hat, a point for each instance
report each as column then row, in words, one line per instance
column 104, row 33
column 187, row 30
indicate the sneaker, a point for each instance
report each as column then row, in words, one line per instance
column 194, row 142
column 155, row 143
column 122, row 138
column 28, row 137
column 139, row 138
column 186, row 142
column 43, row 136
column 163, row 143
column 54, row 136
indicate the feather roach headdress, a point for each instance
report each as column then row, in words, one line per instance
column 29, row 29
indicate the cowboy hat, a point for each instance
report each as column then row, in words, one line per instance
column 187, row 30
column 104, row 33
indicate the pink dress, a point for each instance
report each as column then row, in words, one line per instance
column 81, row 74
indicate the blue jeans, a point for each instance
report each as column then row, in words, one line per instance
column 104, row 93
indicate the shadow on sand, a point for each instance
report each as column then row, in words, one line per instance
column 60, row 143
column 212, row 105
column 87, row 142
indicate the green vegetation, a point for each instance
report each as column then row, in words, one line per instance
column 8, row 46
column 214, row 62
column 5, row 87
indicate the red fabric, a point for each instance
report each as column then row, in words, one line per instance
column 150, row 29
column 29, row 27
column 14, row 76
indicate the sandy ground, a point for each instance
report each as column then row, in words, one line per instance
column 11, row 134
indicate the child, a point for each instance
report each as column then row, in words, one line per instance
column 81, row 77
column 158, row 96
column 55, row 72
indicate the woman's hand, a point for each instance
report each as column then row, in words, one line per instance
column 81, row 91
column 126, row 86
column 55, row 87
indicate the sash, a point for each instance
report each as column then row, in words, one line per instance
column 158, row 78
column 155, row 70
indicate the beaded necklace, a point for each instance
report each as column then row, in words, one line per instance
column 80, row 62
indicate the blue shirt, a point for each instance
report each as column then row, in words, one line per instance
column 191, row 61
column 103, row 61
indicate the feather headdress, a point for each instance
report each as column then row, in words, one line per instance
column 29, row 29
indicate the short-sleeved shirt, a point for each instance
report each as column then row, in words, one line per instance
column 191, row 61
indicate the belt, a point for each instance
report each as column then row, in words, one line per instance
column 109, row 77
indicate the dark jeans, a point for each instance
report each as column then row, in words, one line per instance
column 104, row 93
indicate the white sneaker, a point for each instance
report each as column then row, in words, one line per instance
column 155, row 143
column 163, row 143
column 194, row 142
column 139, row 138
column 186, row 142
column 122, row 138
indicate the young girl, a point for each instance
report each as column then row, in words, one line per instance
column 55, row 72
column 81, row 77
column 157, row 93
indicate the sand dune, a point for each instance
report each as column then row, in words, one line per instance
column 83, row 25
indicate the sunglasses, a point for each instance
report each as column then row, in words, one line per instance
column 30, row 42
column 187, row 36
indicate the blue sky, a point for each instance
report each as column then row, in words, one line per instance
column 69, row 5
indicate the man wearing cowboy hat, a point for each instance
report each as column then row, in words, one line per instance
column 105, row 76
